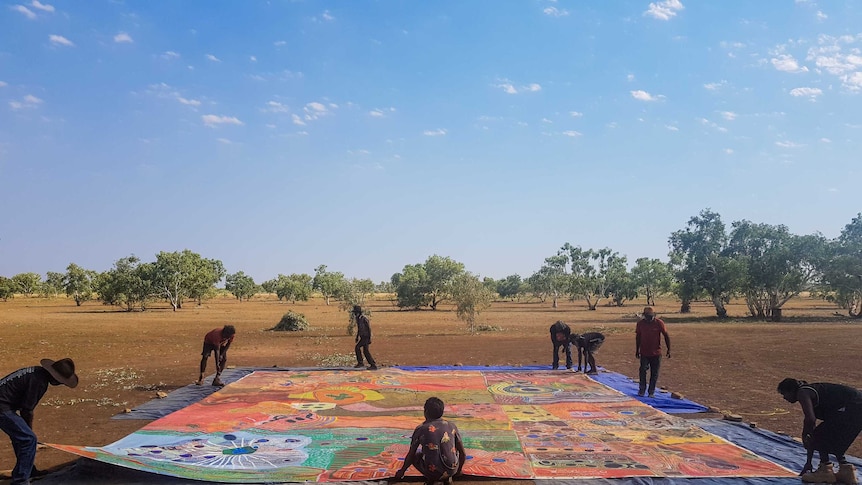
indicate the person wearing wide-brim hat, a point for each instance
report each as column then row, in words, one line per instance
column 20, row 392
column 648, row 333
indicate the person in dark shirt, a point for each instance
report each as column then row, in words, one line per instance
column 560, row 335
column 442, row 453
column 587, row 344
column 648, row 333
column 363, row 339
column 20, row 392
column 216, row 341
column 839, row 408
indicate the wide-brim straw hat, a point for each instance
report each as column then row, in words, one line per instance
column 63, row 370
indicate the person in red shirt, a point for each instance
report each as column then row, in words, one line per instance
column 216, row 341
column 648, row 335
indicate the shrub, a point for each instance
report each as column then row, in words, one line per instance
column 291, row 322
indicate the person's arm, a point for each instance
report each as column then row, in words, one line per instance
column 580, row 353
column 667, row 342
column 462, row 453
column 408, row 459
column 808, row 423
column 637, row 344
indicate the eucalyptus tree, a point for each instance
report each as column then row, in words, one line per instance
column 27, row 283
column 652, row 277
column 842, row 268
column 777, row 265
column 703, row 264
column 78, row 283
column 241, row 285
column 327, row 283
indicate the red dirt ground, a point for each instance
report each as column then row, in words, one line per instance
column 124, row 358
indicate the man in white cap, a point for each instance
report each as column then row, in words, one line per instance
column 20, row 392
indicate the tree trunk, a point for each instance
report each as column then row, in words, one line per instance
column 685, row 307
column 776, row 314
column 720, row 311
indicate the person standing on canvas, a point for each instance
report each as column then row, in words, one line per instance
column 560, row 334
column 20, row 392
column 363, row 339
column 442, row 453
column 648, row 333
column 839, row 408
column 217, row 341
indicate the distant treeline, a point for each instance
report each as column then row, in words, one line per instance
column 764, row 264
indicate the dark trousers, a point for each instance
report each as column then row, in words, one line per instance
column 24, row 444
column 653, row 364
column 556, row 361
column 362, row 348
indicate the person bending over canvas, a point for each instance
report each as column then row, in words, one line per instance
column 20, row 392
column 588, row 344
column 217, row 341
column 560, row 334
column 839, row 408
column 436, row 449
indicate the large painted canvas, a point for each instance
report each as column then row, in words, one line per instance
column 333, row 425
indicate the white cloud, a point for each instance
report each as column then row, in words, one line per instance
column 809, row 92
column 506, row 87
column 630, row 77
column 279, row 43
column 29, row 101
column 276, row 107
column 546, row 120
column 437, row 132
column 671, row 127
column 572, row 133
column 252, row 58
column 510, row 88
column 213, row 58
column 3, row 84
column 42, row 6
column 315, row 110
column 728, row 115
column 787, row 63
column 641, row 95
column 224, row 141
column 712, row 124
column 575, row 114
column 821, row 16
column 788, row 144
column 664, row 10
column 60, row 40
column 123, row 37
column 715, row 86
column 23, row 10
column 728, row 151
column 327, row 16
column 853, row 82
column 188, row 102
column 379, row 113
column 170, row 55
column 215, row 120
column 825, row 140
column 555, row 12
column 297, row 120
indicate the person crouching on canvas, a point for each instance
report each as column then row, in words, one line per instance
column 442, row 454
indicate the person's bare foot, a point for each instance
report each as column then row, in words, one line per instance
column 199, row 382
column 218, row 383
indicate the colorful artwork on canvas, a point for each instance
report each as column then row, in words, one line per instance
column 334, row 425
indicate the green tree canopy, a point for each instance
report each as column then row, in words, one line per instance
column 7, row 288
column 652, row 277
column 510, row 286
column 78, row 283
column 128, row 284
column 181, row 275
column 27, row 283
column 471, row 297
column 326, row 282
column 842, row 268
column 241, row 285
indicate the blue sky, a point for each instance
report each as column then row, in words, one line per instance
column 367, row 135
